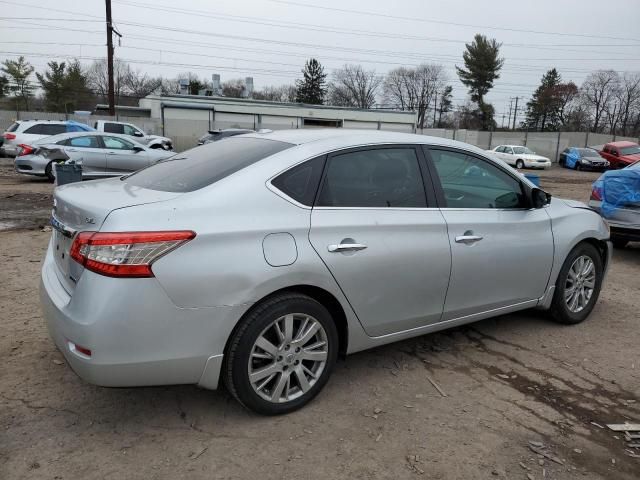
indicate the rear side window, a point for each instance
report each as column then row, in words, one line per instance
column 376, row 178
column 34, row 130
column 301, row 181
column 205, row 165
column 113, row 127
column 52, row 129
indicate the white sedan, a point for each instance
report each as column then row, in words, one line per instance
column 520, row 157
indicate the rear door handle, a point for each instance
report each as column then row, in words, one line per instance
column 468, row 238
column 346, row 247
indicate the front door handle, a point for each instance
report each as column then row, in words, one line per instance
column 468, row 238
column 346, row 247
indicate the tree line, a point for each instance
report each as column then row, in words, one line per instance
column 605, row 102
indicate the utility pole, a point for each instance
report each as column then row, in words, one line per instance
column 110, row 32
column 510, row 106
column 515, row 114
column 435, row 108
column 112, row 100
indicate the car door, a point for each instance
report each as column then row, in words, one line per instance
column 122, row 156
column 385, row 245
column 507, row 155
column 502, row 250
column 88, row 150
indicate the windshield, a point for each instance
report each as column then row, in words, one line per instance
column 635, row 166
column 522, row 150
column 587, row 152
column 205, row 165
column 630, row 150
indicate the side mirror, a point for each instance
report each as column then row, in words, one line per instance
column 137, row 149
column 540, row 198
column 138, row 133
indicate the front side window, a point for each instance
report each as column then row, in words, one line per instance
column 115, row 143
column 376, row 178
column 129, row 130
column 508, row 150
column 469, row 182
column 113, row 127
column 84, row 142
column 202, row 166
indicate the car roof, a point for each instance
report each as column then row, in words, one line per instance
column 42, row 121
column 623, row 143
column 64, row 136
column 308, row 135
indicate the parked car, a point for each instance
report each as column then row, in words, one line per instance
column 122, row 128
column 582, row 159
column 101, row 154
column 30, row 131
column 520, row 157
column 616, row 196
column 215, row 135
column 621, row 154
column 258, row 269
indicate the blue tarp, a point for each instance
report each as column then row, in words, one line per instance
column 572, row 158
column 78, row 127
column 618, row 188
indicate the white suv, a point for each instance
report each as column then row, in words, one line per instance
column 30, row 131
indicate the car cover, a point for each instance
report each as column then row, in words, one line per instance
column 618, row 188
column 73, row 126
column 572, row 158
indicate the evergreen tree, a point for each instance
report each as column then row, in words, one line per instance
column 446, row 101
column 482, row 63
column 4, row 86
column 312, row 88
column 19, row 72
column 53, row 84
column 543, row 110
column 78, row 95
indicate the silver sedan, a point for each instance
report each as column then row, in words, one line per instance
column 260, row 268
column 101, row 154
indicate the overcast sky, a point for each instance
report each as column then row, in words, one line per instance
column 270, row 39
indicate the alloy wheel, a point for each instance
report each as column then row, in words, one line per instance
column 580, row 283
column 288, row 357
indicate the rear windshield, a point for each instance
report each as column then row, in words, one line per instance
column 205, row 165
column 13, row 127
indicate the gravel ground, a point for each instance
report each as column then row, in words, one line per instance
column 508, row 381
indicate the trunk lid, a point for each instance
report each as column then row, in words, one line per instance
column 84, row 206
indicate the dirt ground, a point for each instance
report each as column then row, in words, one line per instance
column 504, row 382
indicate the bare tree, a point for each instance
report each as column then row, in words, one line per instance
column 99, row 80
column 567, row 94
column 599, row 91
column 233, row 88
column 353, row 86
column 414, row 88
column 140, row 84
column 629, row 101
column 282, row 93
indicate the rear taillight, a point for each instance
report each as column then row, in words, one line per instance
column 125, row 254
column 25, row 150
column 9, row 136
column 596, row 194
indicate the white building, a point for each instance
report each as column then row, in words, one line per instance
column 185, row 118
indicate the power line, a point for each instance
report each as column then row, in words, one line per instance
column 414, row 19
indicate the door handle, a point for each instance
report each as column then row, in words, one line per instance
column 71, row 150
column 468, row 238
column 111, row 153
column 346, row 247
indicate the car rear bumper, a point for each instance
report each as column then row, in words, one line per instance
column 136, row 335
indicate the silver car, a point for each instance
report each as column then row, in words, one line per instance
column 101, row 154
column 260, row 268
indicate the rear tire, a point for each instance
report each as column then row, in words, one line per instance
column 578, row 285
column 519, row 164
column 48, row 171
column 298, row 368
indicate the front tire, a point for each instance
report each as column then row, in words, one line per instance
column 48, row 171
column 281, row 355
column 519, row 164
column 578, row 285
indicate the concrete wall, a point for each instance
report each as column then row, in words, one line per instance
column 548, row 144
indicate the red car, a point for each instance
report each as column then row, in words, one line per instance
column 621, row 154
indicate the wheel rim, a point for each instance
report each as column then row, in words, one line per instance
column 580, row 284
column 288, row 358
column 519, row 164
